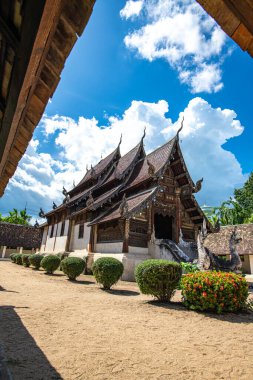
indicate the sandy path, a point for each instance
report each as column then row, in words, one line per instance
column 51, row 328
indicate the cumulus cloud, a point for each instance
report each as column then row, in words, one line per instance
column 131, row 9
column 40, row 176
column 181, row 33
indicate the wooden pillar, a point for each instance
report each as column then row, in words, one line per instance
column 125, row 248
column 67, row 246
column 150, row 221
column 178, row 214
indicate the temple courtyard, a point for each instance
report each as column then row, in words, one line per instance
column 52, row 328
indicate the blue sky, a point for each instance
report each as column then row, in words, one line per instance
column 132, row 67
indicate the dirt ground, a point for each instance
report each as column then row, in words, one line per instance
column 51, row 328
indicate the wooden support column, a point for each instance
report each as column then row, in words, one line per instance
column 150, row 222
column 178, row 214
column 67, row 246
column 126, row 236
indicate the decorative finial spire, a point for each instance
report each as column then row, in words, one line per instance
column 54, row 205
column 41, row 213
column 180, row 129
column 87, row 168
column 36, row 224
column 64, row 191
column 144, row 133
column 92, row 170
column 74, row 184
column 198, row 186
column 120, row 140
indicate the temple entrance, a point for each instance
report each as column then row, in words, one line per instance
column 163, row 227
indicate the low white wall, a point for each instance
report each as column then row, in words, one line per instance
column 129, row 261
column 138, row 250
column 251, row 263
column 109, row 247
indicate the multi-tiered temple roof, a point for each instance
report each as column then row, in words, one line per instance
column 119, row 186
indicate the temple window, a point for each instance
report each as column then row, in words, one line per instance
column 52, row 231
column 81, row 231
column 62, row 228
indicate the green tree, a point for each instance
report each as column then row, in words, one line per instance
column 17, row 217
column 237, row 210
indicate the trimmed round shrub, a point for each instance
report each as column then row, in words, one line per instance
column 158, row 278
column 25, row 260
column 214, row 291
column 73, row 267
column 35, row 260
column 107, row 271
column 50, row 263
column 12, row 257
column 18, row 259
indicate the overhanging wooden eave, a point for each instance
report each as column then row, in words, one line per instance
column 36, row 72
column 235, row 17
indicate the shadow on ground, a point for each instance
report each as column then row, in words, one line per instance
column 23, row 357
column 121, row 292
column 5, row 290
column 242, row 317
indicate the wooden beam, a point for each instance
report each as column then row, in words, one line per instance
column 191, row 209
column 180, row 176
column 9, row 34
column 196, row 217
column 243, row 11
column 175, row 162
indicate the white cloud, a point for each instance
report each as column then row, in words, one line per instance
column 131, row 9
column 181, row 33
column 40, row 176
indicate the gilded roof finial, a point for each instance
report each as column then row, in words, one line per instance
column 180, row 129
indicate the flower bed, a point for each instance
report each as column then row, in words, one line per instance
column 214, row 291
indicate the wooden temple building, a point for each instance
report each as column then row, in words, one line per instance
column 125, row 206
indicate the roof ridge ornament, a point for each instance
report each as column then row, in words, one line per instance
column 54, row 206
column 144, row 134
column 198, row 186
column 41, row 213
column 180, row 129
column 92, row 170
column 120, row 140
column 64, row 191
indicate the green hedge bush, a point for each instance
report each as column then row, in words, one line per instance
column 107, row 271
column 50, row 263
column 214, row 291
column 18, row 259
column 25, row 260
column 158, row 278
column 12, row 256
column 35, row 260
column 72, row 267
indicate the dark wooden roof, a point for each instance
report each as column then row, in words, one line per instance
column 36, row 38
column 134, row 204
column 99, row 169
column 16, row 235
column 218, row 243
column 235, row 17
column 158, row 158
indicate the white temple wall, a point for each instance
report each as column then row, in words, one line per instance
column 50, row 240
column 138, row 250
column 82, row 243
column 44, row 239
column 109, row 247
column 60, row 242
column 129, row 260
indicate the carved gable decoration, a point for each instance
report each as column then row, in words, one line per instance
column 90, row 201
column 151, row 168
column 123, row 209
